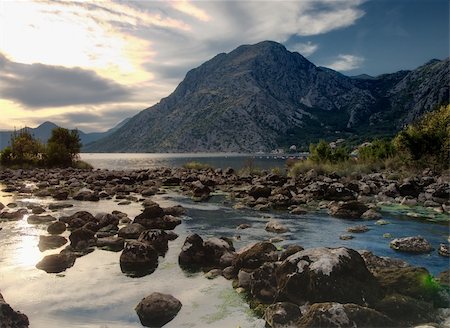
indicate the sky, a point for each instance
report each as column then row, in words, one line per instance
column 91, row 64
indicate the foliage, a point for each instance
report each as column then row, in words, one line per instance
column 62, row 147
column 347, row 168
column 379, row 149
column 427, row 140
column 324, row 153
column 24, row 149
column 250, row 168
column 197, row 166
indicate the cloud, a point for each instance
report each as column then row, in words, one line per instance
column 346, row 63
column 40, row 86
column 304, row 49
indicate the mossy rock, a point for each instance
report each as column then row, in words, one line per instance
column 406, row 310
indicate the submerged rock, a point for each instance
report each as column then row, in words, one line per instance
column 444, row 250
column 157, row 309
column 276, row 226
column 411, row 245
column 358, row 229
column 10, row 318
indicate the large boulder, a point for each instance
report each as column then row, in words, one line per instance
column 348, row 210
column 337, row 191
column 151, row 210
column 112, row 243
column 56, row 263
column 166, row 222
column 131, row 231
column 10, row 318
column 255, row 255
column 86, row 195
column 282, row 314
column 324, row 275
column 51, row 242
column 138, row 259
column 411, row 245
column 56, row 228
column 157, row 309
column 156, row 238
column 336, row 315
column 78, row 219
column 260, row 191
column 82, row 238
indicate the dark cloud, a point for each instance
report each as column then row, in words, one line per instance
column 42, row 86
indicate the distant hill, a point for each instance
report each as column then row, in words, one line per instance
column 262, row 96
column 44, row 131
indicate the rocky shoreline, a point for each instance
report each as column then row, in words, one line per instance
column 315, row 287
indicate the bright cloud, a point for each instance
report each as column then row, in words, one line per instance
column 346, row 63
column 145, row 47
column 305, row 49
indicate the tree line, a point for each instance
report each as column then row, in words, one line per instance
column 61, row 150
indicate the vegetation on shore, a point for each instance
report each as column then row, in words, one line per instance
column 194, row 165
column 424, row 143
column 61, row 150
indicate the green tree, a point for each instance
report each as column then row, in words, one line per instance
column 323, row 153
column 25, row 148
column 63, row 147
column 428, row 139
column 379, row 149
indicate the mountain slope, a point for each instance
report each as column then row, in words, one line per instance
column 259, row 97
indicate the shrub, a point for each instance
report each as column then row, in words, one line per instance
column 197, row 166
column 428, row 139
column 25, row 149
column 379, row 149
column 6, row 156
column 323, row 153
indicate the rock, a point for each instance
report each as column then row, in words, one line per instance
column 322, row 274
column 10, row 318
column 1, row 206
column 375, row 263
column 276, row 226
column 114, row 244
column 253, row 256
column 37, row 210
column 39, row 219
column 381, row 222
column 413, row 282
column 200, row 192
column 167, row 222
column 212, row 274
column 371, row 214
column 78, row 219
column 61, row 195
column 156, row 238
column 260, row 191
column 291, row 249
column 58, row 206
column 444, row 278
column 243, row 226
column 176, row 210
column 411, row 245
column 13, row 216
column 337, row 191
column 408, row 201
column 56, row 263
column 282, row 314
column 131, row 231
column 86, row 195
column 56, row 228
column 409, row 189
column 348, row 210
column 406, row 310
column 263, row 283
column 358, row 229
column 342, row 316
column 82, row 238
column 157, row 309
column 149, row 191
column 346, row 237
column 193, row 252
column 229, row 273
column 298, row 211
column 138, row 259
column 244, row 279
column 444, row 250
column 51, row 242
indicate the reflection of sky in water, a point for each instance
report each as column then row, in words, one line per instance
column 95, row 293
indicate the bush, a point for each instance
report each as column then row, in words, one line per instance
column 427, row 140
column 323, row 153
column 379, row 149
column 6, row 156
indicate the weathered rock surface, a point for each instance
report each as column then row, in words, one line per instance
column 138, row 259
column 56, row 228
column 282, row 314
column 157, row 309
column 51, row 242
column 348, row 210
column 411, row 245
column 10, row 318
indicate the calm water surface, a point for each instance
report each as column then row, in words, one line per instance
column 217, row 160
column 95, row 293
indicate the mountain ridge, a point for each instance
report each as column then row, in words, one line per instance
column 260, row 97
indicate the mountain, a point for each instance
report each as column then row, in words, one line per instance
column 44, row 131
column 262, row 96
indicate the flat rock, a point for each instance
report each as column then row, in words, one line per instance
column 56, row 263
column 39, row 219
column 51, row 242
column 415, row 244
